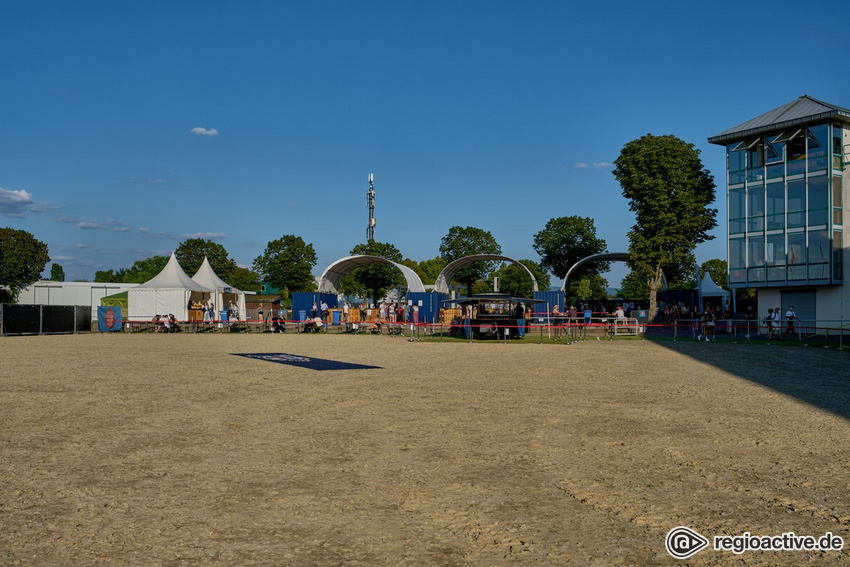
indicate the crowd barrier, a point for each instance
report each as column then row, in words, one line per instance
column 44, row 319
column 801, row 330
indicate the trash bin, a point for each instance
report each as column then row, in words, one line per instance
column 223, row 316
column 337, row 316
column 302, row 315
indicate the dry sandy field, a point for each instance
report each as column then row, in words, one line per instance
column 363, row 451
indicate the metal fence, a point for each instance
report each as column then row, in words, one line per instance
column 44, row 319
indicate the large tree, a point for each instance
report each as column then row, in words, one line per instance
column 191, row 253
column 717, row 268
column 375, row 280
column 143, row 270
column 428, row 270
column 669, row 191
column 514, row 279
column 22, row 259
column 288, row 263
column 57, row 273
column 566, row 240
column 469, row 241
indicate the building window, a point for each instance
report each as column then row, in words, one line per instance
column 796, row 144
column 817, row 138
column 797, row 256
column 775, row 206
column 819, row 252
column 837, row 256
column 818, row 205
column 737, row 164
column 755, row 207
column 755, row 259
column 737, row 260
column 774, row 256
column 737, row 211
column 837, row 146
column 796, row 203
column 837, row 202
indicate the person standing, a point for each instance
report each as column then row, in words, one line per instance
column 789, row 317
column 345, row 309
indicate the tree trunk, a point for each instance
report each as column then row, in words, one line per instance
column 654, row 284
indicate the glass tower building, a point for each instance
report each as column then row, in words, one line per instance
column 786, row 188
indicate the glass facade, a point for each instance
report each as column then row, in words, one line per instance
column 785, row 207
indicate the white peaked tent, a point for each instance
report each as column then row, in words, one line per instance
column 223, row 292
column 708, row 288
column 170, row 291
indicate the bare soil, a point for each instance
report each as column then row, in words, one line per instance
column 168, row 450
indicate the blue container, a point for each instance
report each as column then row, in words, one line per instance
column 223, row 315
column 302, row 315
column 337, row 317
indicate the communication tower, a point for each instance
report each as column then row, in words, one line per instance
column 370, row 202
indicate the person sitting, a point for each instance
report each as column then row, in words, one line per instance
column 313, row 325
column 278, row 325
column 375, row 327
column 159, row 324
column 174, row 327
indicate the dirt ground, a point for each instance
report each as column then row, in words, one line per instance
column 169, row 450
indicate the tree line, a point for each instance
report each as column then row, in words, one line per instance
column 662, row 178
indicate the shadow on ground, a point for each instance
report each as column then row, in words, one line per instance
column 813, row 374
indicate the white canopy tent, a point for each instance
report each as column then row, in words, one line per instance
column 170, row 291
column 224, row 293
column 707, row 288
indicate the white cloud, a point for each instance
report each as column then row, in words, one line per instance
column 89, row 225
column 206, row 235
column 15, row 203
column 204, row 131
column 580, row 165
column 157, row 181
column 121, row 229
column 602, row 164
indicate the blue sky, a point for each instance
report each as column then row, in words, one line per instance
column 126, row 128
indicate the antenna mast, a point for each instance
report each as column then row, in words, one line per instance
column 370, row 202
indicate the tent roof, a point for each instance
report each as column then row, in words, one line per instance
column 709, row 288
column 207, row 277
column 172, row 276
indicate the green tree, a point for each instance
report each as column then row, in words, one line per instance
column 566, row 240
column 288, row 263
column 107, row 276
column 515, row 280
column 669, row 191
column 592, row 286
column 243, row 278
column 469, row 241
column 143, row 270
column 57, row 274
column 22, row 259
column 375, row 280
column 717, row 268
column 427, row 270
column 634, row 286
column 191, row 253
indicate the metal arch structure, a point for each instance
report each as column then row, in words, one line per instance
column 605, row 256
column 442, row 285
column 333, row 274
